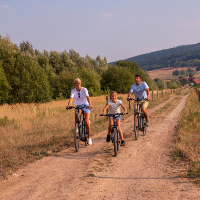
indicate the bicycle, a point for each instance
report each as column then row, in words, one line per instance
column 114, row 131
column 80, row 132
column 139, row 118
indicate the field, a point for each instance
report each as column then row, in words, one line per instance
column 166, row 73
column 31, row 131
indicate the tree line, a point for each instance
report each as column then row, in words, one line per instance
column 28, row 75
column 189, row 72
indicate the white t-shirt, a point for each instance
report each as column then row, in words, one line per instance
column 80, row 98
column 114, row 108
column 140, row 90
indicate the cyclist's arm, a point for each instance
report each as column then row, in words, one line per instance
column 89, row 101
column 104, row 110
column 122, row 105
column 129, row 95
column 148, row 94
column 69, row 103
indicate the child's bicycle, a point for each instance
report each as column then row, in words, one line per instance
column 140, row 118
column 80, row 132
column 114, row 131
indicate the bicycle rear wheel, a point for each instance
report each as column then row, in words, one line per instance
column 77, row 137
column 115, row 142
column 136, row 128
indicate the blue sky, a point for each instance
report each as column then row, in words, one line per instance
column 114, row 29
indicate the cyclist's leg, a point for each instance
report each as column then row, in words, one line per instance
column 76, row 113
column 87, row 118
column 109, row 127
column 135, row 110
column 144, row 109
column 119, row 128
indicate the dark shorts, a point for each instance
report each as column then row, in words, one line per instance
column 86, row 110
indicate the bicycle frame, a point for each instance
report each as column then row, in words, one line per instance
column 113, row 127
column 83, row 130
column 114, row 134
column 140, row 115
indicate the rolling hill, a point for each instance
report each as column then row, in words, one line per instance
column 180, row 56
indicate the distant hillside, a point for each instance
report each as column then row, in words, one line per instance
column 180, row 56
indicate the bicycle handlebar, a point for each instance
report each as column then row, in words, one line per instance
column 108, row 115
column 137, row 99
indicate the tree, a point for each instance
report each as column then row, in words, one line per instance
column 117, row 78
column 182, row 72
column 160, row 83
column 176, row 72
column 198, row 68
column 4, row 86
column 183, row 81
column 191, row 74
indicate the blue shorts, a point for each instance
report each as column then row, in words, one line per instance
column 118, row 117
column 86, row 110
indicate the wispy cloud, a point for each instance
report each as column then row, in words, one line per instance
column 5, row 7
column 107, row 15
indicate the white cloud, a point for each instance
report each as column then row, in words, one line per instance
column 6, row 7
column 106, row 15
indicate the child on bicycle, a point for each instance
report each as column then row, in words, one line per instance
column 81, row 98
column 113, row 106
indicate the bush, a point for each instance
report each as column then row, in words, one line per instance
column 160, row 83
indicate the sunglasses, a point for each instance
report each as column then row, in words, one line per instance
column 79, row 96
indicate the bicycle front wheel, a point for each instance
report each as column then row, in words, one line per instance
column 77, row 138
column 118, row 140
column 144, row 127
column 136, row 126
column 115, row 142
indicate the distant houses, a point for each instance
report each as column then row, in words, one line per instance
column 190, row 80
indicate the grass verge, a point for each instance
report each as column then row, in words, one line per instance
column 187, row 146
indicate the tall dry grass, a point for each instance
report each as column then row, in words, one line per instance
column 187, row 145
column 30, row 131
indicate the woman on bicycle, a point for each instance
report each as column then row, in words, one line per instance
column 81, row 98
column 113, row 106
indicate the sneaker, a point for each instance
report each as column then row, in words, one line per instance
column 89, row 141
column 108, row 138
column 123, row 143
column 147, row 122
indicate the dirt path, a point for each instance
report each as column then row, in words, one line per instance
column 140, row 171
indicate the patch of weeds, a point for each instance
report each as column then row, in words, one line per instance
column 72, row 130
column 5, row 121
column 91, row 175
column 193, row 173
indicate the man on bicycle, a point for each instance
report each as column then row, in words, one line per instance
column 141, row 92
column 81, row 99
